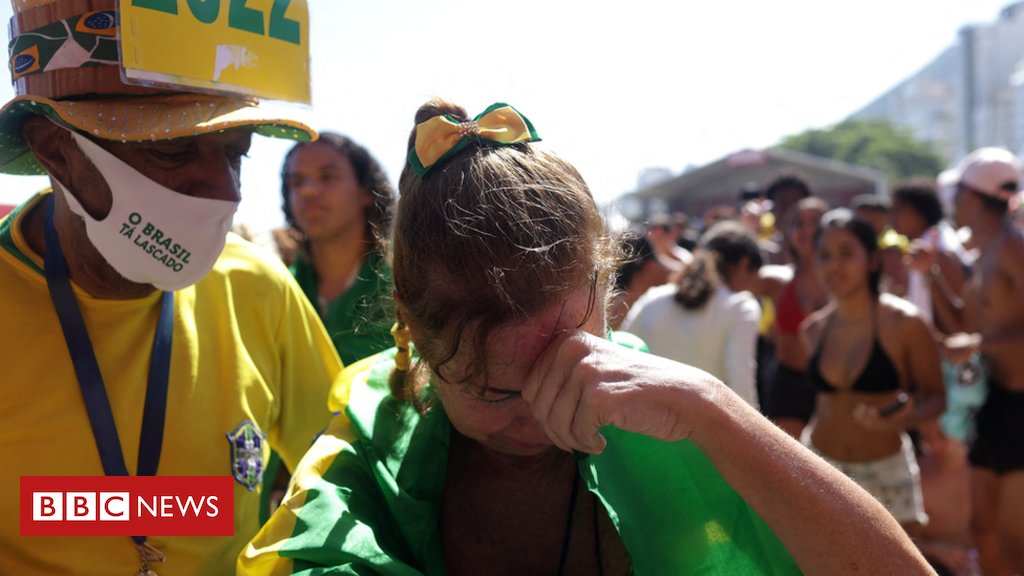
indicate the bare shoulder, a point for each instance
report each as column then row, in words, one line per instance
column 896, row 306
column 948, row 258
column 1011, row 252
column 813, row 326
column 900, row 314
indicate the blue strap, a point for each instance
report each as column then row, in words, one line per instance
column 152, row 436
column 97, row 404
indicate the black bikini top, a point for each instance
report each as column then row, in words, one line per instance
column 879, row 375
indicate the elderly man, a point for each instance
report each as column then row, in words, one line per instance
column 135, row 325
column 993, row 314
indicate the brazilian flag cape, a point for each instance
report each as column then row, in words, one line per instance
column 367, row 496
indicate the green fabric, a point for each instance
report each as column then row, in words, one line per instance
column 376, row 508
column 7, row 235
column 674, row 512
column 32, row 51
column 627, row 340
column 422, row 171
column 270, row 473
column 357, row 321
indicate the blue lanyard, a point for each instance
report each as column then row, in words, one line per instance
column 97, row 404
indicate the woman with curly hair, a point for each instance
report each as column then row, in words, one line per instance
column 338, row 197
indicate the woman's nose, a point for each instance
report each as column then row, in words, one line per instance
column 529, row 430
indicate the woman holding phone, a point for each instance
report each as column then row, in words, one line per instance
column 876, row 369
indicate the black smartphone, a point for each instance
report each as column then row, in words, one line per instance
column 890, row 409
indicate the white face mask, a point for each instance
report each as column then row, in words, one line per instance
column 153, row 235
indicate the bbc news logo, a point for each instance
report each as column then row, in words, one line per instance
column 127, row 506
column 115, row 506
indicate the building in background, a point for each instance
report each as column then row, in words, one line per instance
column 724, row 181
column 971, row 95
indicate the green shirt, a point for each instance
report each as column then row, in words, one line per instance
column 368, row 498
column 359, row 321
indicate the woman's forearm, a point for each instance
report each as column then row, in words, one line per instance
column 926, row 409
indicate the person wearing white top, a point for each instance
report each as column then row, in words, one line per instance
column 938, row 262
column 708, row 319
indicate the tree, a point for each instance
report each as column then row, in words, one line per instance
column 874, row 143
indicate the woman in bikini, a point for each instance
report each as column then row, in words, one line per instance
column 875, row 366
column 795, row 292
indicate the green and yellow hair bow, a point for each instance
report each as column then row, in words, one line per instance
column 441, row 137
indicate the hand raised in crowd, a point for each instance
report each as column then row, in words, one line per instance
column 923, row 252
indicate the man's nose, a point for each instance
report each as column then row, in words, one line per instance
column 215, row 178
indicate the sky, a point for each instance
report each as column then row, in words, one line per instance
column 612, row 87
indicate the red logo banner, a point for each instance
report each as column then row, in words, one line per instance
column 127, row 506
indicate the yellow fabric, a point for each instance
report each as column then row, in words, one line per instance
column 260, row 556
column 402, row 339
column 767, row 316
column 247, row 346
column 890, row 238
column 438, row 135
column 767, row 225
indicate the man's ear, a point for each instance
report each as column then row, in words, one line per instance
column 49, row 143
column 58, row 153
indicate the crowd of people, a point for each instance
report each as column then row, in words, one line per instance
column 473, row 374
column 881, row 335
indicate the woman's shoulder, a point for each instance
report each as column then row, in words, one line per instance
column 742, row 301
column 813, row 326
column 656, row 296
column 819, row 316
column 654, row 304
column 899, row 315
column 898, row 309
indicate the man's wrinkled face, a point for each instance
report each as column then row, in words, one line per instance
column 206, row 166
